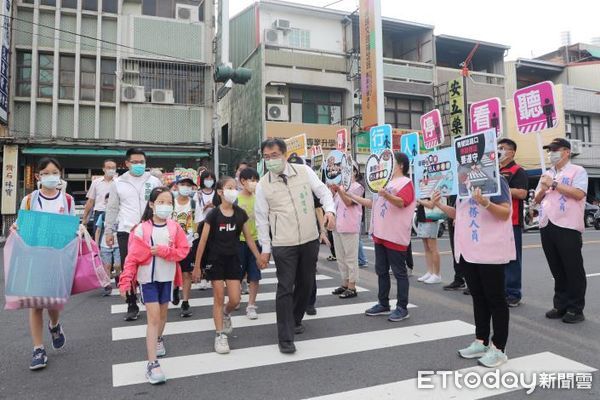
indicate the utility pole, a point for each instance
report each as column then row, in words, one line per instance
column 465, row 75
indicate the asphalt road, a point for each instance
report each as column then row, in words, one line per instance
column 341, row 351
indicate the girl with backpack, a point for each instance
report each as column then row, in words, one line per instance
column 156, row 245
column 222, row 228
column 52, row 200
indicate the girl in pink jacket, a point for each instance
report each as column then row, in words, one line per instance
column 155, row 247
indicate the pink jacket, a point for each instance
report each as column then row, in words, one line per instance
column 139, row 253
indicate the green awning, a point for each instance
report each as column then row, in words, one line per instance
column 109, row 152
column 594, row 52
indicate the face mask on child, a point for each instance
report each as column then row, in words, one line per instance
column 50, row 181
column 185, row 190
column 163, row 211
column 230, row 195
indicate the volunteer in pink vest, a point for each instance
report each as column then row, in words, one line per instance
column 483, row 245
column 561, row 193
column 392, row 214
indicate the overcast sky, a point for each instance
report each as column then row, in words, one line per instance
column 529, row 27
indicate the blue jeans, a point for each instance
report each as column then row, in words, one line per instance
column 384, row 259
column 513, row 268
column 362, row 258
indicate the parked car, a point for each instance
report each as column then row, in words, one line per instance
column 589, row 215
column 597, row 220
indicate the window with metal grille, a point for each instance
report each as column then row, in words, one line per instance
column 580, row 127
column 66, row 77
column 108, row 80
column 315, row 106
column 299, row 38
column 187, row 81
column 87, row 84
column 45, row 75
column 23, row 81
column 403, row 113
column 166, row 8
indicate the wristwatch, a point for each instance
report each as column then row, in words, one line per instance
column 554, row 185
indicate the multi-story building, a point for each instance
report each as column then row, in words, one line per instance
column 306, row 75
column 91, row 78
column 577, row 105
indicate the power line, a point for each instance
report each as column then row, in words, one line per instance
column 94, row 38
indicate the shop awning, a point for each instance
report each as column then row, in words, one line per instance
column 59, row 151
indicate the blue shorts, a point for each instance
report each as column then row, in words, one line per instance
column 110, row 256
column 156, row 292
column 248, row 262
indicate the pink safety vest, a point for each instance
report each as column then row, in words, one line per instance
column 389, row 222
column 561, row 210
column 480, row 237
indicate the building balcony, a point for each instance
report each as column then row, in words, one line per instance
column 480, row 85
column 408, row 71
column 315, row 60
column 316, row 134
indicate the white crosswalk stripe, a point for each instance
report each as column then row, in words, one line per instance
column 264, row 281
column 208, row 301
column 203, row 325
column 535, row 363
column 210, row 363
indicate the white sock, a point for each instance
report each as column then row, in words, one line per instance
column 41, row 347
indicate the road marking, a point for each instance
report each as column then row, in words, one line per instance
column 238, row 321
column 264, row 271
column 210, row 363
column 527, row 365
column 414, row 253
column 208, row 301
column 265, row 281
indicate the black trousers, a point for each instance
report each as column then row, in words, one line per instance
column 331, row 247
column 486, row 282
column 562, row 247
column 296, row 267
column 122, row 241
column 459, row 274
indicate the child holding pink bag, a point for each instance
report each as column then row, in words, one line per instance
column 155, row 247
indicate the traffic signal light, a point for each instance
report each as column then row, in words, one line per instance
column 240, row 75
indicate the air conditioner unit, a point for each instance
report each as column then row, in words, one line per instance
column 273, row 36
column 277, row 112
column 162, row 96
column 282, row 24
column 133, row 94
column 575, row 146
column 184, row 12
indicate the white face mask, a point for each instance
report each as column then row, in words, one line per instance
column 163, row 211
column 185, row 190
column 555, row 157
column 110, row 172
column 209, row 183
column 50, row 181
column 230, row 195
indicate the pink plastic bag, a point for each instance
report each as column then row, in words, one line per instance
column 89, row 272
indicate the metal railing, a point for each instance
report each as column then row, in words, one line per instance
column 476, row 77
column 412, row 71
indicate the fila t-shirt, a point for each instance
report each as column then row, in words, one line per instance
column 224, row 239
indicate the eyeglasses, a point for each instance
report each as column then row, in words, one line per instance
column 272, row 156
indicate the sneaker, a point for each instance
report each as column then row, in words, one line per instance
column 399, row 314
column 331, row 258
column 299, row 329
column 363, row 266
column 175, row 296
column 433, row 279
column 287, row 347
column 311, row 310
column 493, row 357
column 186, row 312
column 203, row 284
column 467, row 291
column 475, row 350
column 348, row 294
column 58, row 337
column 513, row 302
column 409, row 271
column 133, row 312
column 39, row 359
column 221, row 344
column 555, row 314
column 456, row 285
column 251, row 312
column 160, row 347
column 227, row 327
column 573, row 318
column 245, row 287
column 378, row 309
column 339, row 290
column 154, row 373
column 424, row 277
column 107, row 291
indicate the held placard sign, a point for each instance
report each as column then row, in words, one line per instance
column 477, row 164
column 380, row 138
column 535, row 108
column 378, row 170
column 431, row 126
column 486, row 114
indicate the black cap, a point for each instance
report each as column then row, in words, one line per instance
column 558, row 143
column 186, row 180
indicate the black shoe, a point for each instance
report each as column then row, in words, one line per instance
column 513, row 301
column 299, row 329
column 185, row 310
column 555, row 314
column 339, row 290
column 456, row 285
column 133, row 311
column 287, row 347
column 349, row 293
column 311, row 310
column 467, row 292
column 573, row 318
column 175, row 296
